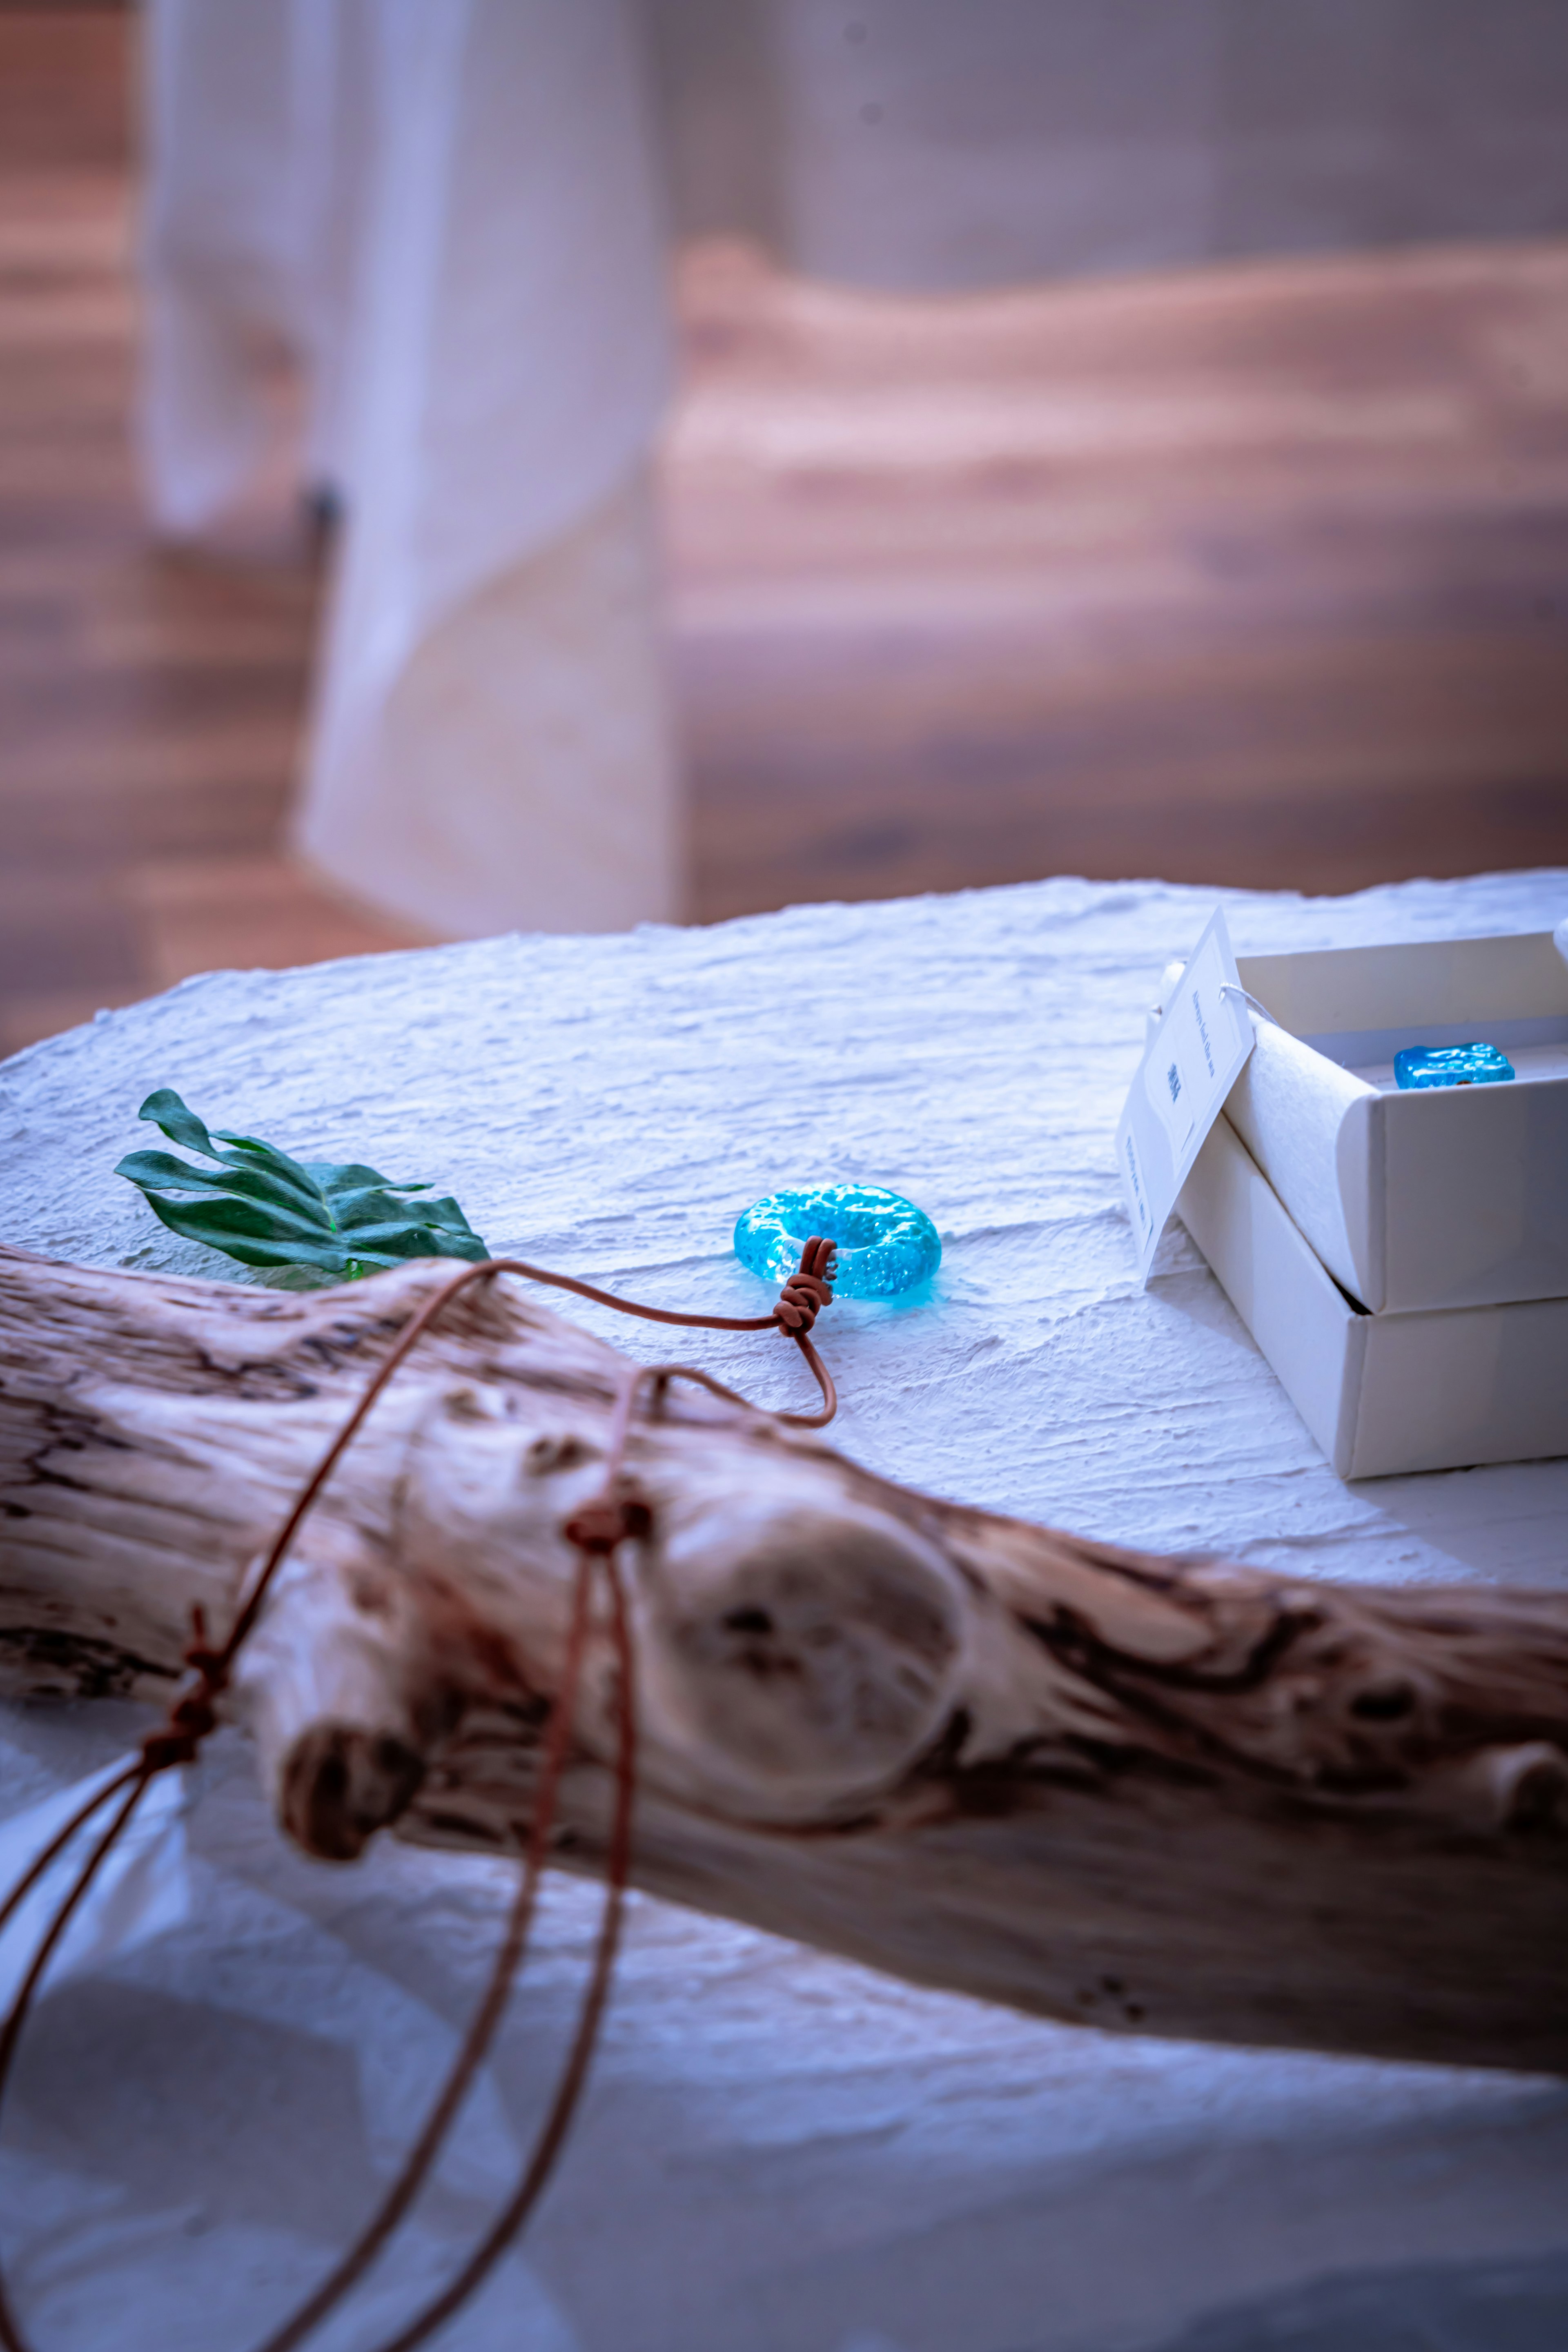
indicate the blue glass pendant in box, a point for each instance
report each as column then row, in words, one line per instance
column 1451, row 1066
column 884, row 1243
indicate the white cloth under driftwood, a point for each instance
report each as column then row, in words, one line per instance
column 779, row 2153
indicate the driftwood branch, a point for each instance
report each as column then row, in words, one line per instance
column 1168, row 1796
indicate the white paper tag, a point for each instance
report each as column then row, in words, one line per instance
column 141, row 1891
column 1189, row 1066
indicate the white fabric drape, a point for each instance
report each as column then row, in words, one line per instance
column 491, row 746
column 448, row 210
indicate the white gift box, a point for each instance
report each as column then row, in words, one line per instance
column 1438, row 1388
column 1401, row 1257
column 1456, row 1196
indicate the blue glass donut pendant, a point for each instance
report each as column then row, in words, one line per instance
column 884, row 1243
column 1475, row 1065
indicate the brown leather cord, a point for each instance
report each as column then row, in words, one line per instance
column 61, row 1838
column 352, row 2265
column 134, row 1782
column 596, row 1530
column 551, row 2138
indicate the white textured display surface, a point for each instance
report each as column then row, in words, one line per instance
column 780, row 2153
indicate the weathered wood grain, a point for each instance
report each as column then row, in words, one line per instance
column 1167, row 1795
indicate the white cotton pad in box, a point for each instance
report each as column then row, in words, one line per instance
column 1454, row 1196
column 1305, row 1121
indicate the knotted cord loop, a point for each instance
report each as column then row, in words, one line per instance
column 808, row 1290
column 601, row 1527
column 195, row 1710
column 191, row 1718
column 596, row 1530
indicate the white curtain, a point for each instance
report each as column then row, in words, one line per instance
column 450, row 211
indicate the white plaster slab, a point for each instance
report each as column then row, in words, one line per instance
column 781, row 2153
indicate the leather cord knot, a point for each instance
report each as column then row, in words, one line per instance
column 808, row 1290
column 190, row 1721
column 597, row 1528
column 193, row 1713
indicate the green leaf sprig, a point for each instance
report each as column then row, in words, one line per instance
column 259, row 1205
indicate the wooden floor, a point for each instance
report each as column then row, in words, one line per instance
column 1257, row 576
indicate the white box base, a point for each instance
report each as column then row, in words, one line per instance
column 1443, row 1389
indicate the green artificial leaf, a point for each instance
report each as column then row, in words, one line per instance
column 259, row 1206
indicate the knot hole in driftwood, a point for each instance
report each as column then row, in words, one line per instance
column 802, row 1665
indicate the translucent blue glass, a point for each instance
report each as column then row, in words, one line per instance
column 1451, row 1066
column 884, row 1243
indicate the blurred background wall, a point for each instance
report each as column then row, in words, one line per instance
column 1019, row 139
column 1120, row 437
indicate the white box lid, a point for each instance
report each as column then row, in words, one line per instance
column 1456, row 1196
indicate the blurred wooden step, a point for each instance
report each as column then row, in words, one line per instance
column 262, row 911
